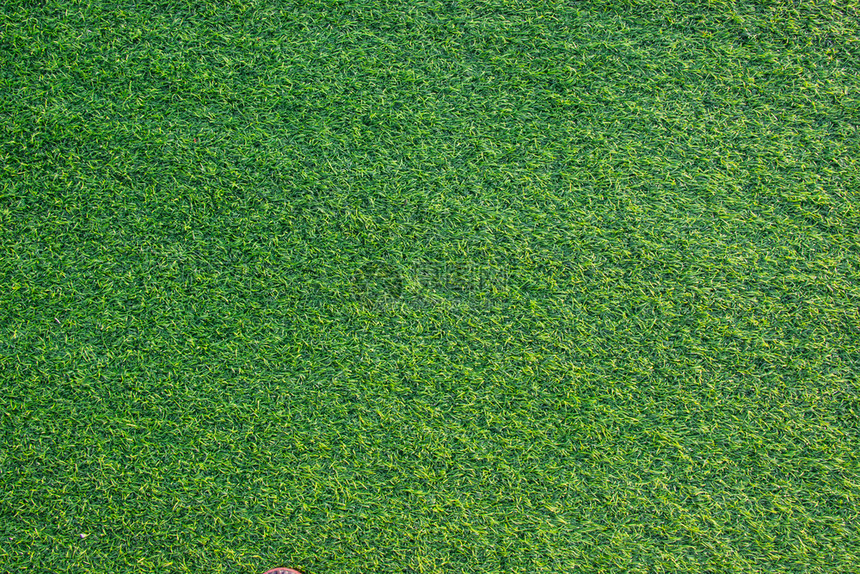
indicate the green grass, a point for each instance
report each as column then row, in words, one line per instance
column 368, row 286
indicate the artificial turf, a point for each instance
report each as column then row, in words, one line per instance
column 367, row 286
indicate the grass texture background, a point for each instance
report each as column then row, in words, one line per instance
column 490, row 286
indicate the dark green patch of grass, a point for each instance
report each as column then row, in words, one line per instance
column 440, row 286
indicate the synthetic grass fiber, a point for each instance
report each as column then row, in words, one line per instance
column 364, row 286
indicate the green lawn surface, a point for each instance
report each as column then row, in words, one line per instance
column 435, row 286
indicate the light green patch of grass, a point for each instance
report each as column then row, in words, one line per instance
column 429, row 287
